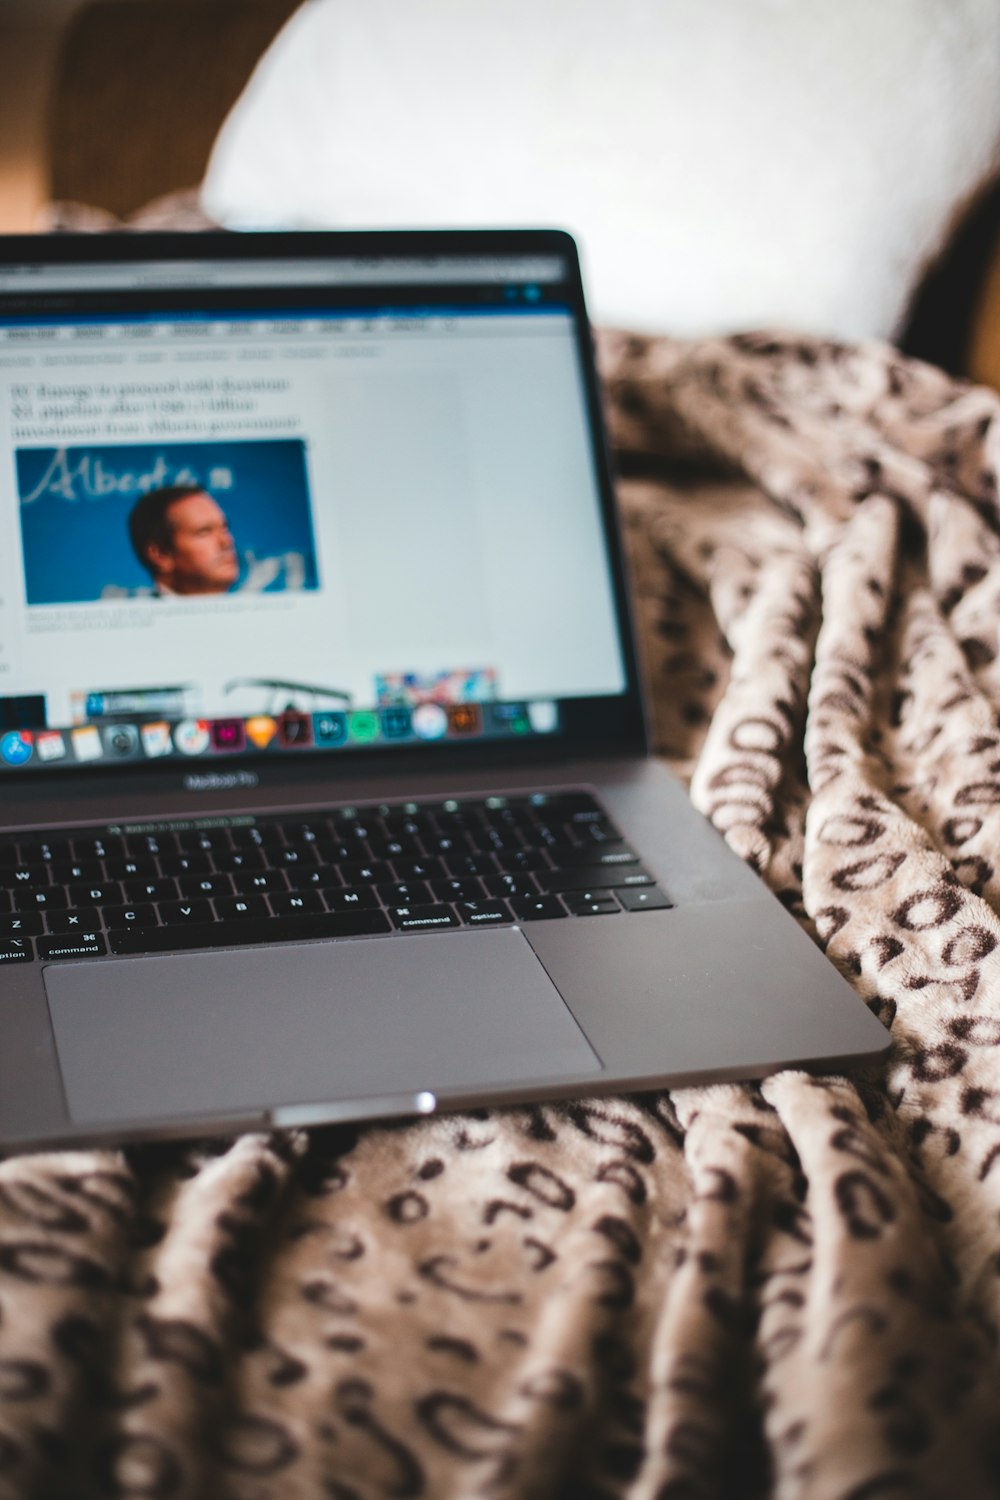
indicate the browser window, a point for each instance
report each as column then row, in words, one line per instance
column 354, row 507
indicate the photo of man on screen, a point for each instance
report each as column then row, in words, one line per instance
column 181, row 536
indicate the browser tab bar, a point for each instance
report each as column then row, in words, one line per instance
column 325, row 271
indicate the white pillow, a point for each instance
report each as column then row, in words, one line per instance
column 724, row 165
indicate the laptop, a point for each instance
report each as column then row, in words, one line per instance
column 325, row 789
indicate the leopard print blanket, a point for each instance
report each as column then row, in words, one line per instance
column 790, row 1289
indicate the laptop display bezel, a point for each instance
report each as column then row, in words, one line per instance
column 614, row 724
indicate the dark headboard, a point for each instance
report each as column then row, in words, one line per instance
column 141, row 88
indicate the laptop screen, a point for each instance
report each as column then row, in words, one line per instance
column 271, row 505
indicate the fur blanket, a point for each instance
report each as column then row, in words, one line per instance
column 790, row 1289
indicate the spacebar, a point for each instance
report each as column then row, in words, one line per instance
column 240, row 934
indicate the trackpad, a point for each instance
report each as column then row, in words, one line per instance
column 218, row 1032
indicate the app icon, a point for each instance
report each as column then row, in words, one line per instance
column 544, row 716
column 430, row 721
column 191, row 736
column 396, row 723
column 156, row 739
column 50, row 745
column 363, row 727
column 87, row 743
column 511, row 718
column 330, row 729
column 261, row 730
column 296, row 730
column 227, row 734
column 15, row 747
column 465, row 718
column 121, row 740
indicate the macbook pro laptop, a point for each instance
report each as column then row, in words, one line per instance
column 325, row 791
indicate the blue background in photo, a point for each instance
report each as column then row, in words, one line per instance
column 74, row 534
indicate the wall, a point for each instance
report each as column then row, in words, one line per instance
column 29, row 33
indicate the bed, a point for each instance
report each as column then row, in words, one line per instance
column 789, row 1289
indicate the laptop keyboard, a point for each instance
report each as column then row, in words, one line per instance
column 351, row 872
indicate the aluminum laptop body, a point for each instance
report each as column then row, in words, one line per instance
column 324, row 784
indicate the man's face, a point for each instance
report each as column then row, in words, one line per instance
column 201, row 558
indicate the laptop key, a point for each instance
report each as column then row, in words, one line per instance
column 193, row 840
column 141, row 914
column 83, row 945
column 160, row 889
column 42, row 851
column 573, row 856
column 445, row 845
column 254, row 882
column 483, row 913
column 522, row 861
column 174, row 913
column 310, row 832
column 419, row 869
column 242, row 934
column 455, row 820
column 405, row 893
column 21, row 924
column 536, row 908
column 238, row 908
column 39, row 898
column 505, row 886
column 149, row 845
column 351, row 898
column 15, row 950
column 600, row 833
column 198, row 886
column 643, row 898
column 366, row 872
column 80, row 919
column 295, row 903
column 301, row 855
column 127, row 869
column 545, row 835
column 394, row 849
column 334, row 853
column 491, row 841
column 591, row 903
column 314, row 878
column 309, row 876
column 422, row 918
column 260, row 836
column 65, row 872
column 16, row 876
column 469, row 889
column 406, row 825
column 460, row 865
column 239, row 859
column 96, row 893
column 99, row 846
column 185, row 864
column 591, row 877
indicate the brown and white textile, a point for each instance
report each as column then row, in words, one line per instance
column 790, row 1290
